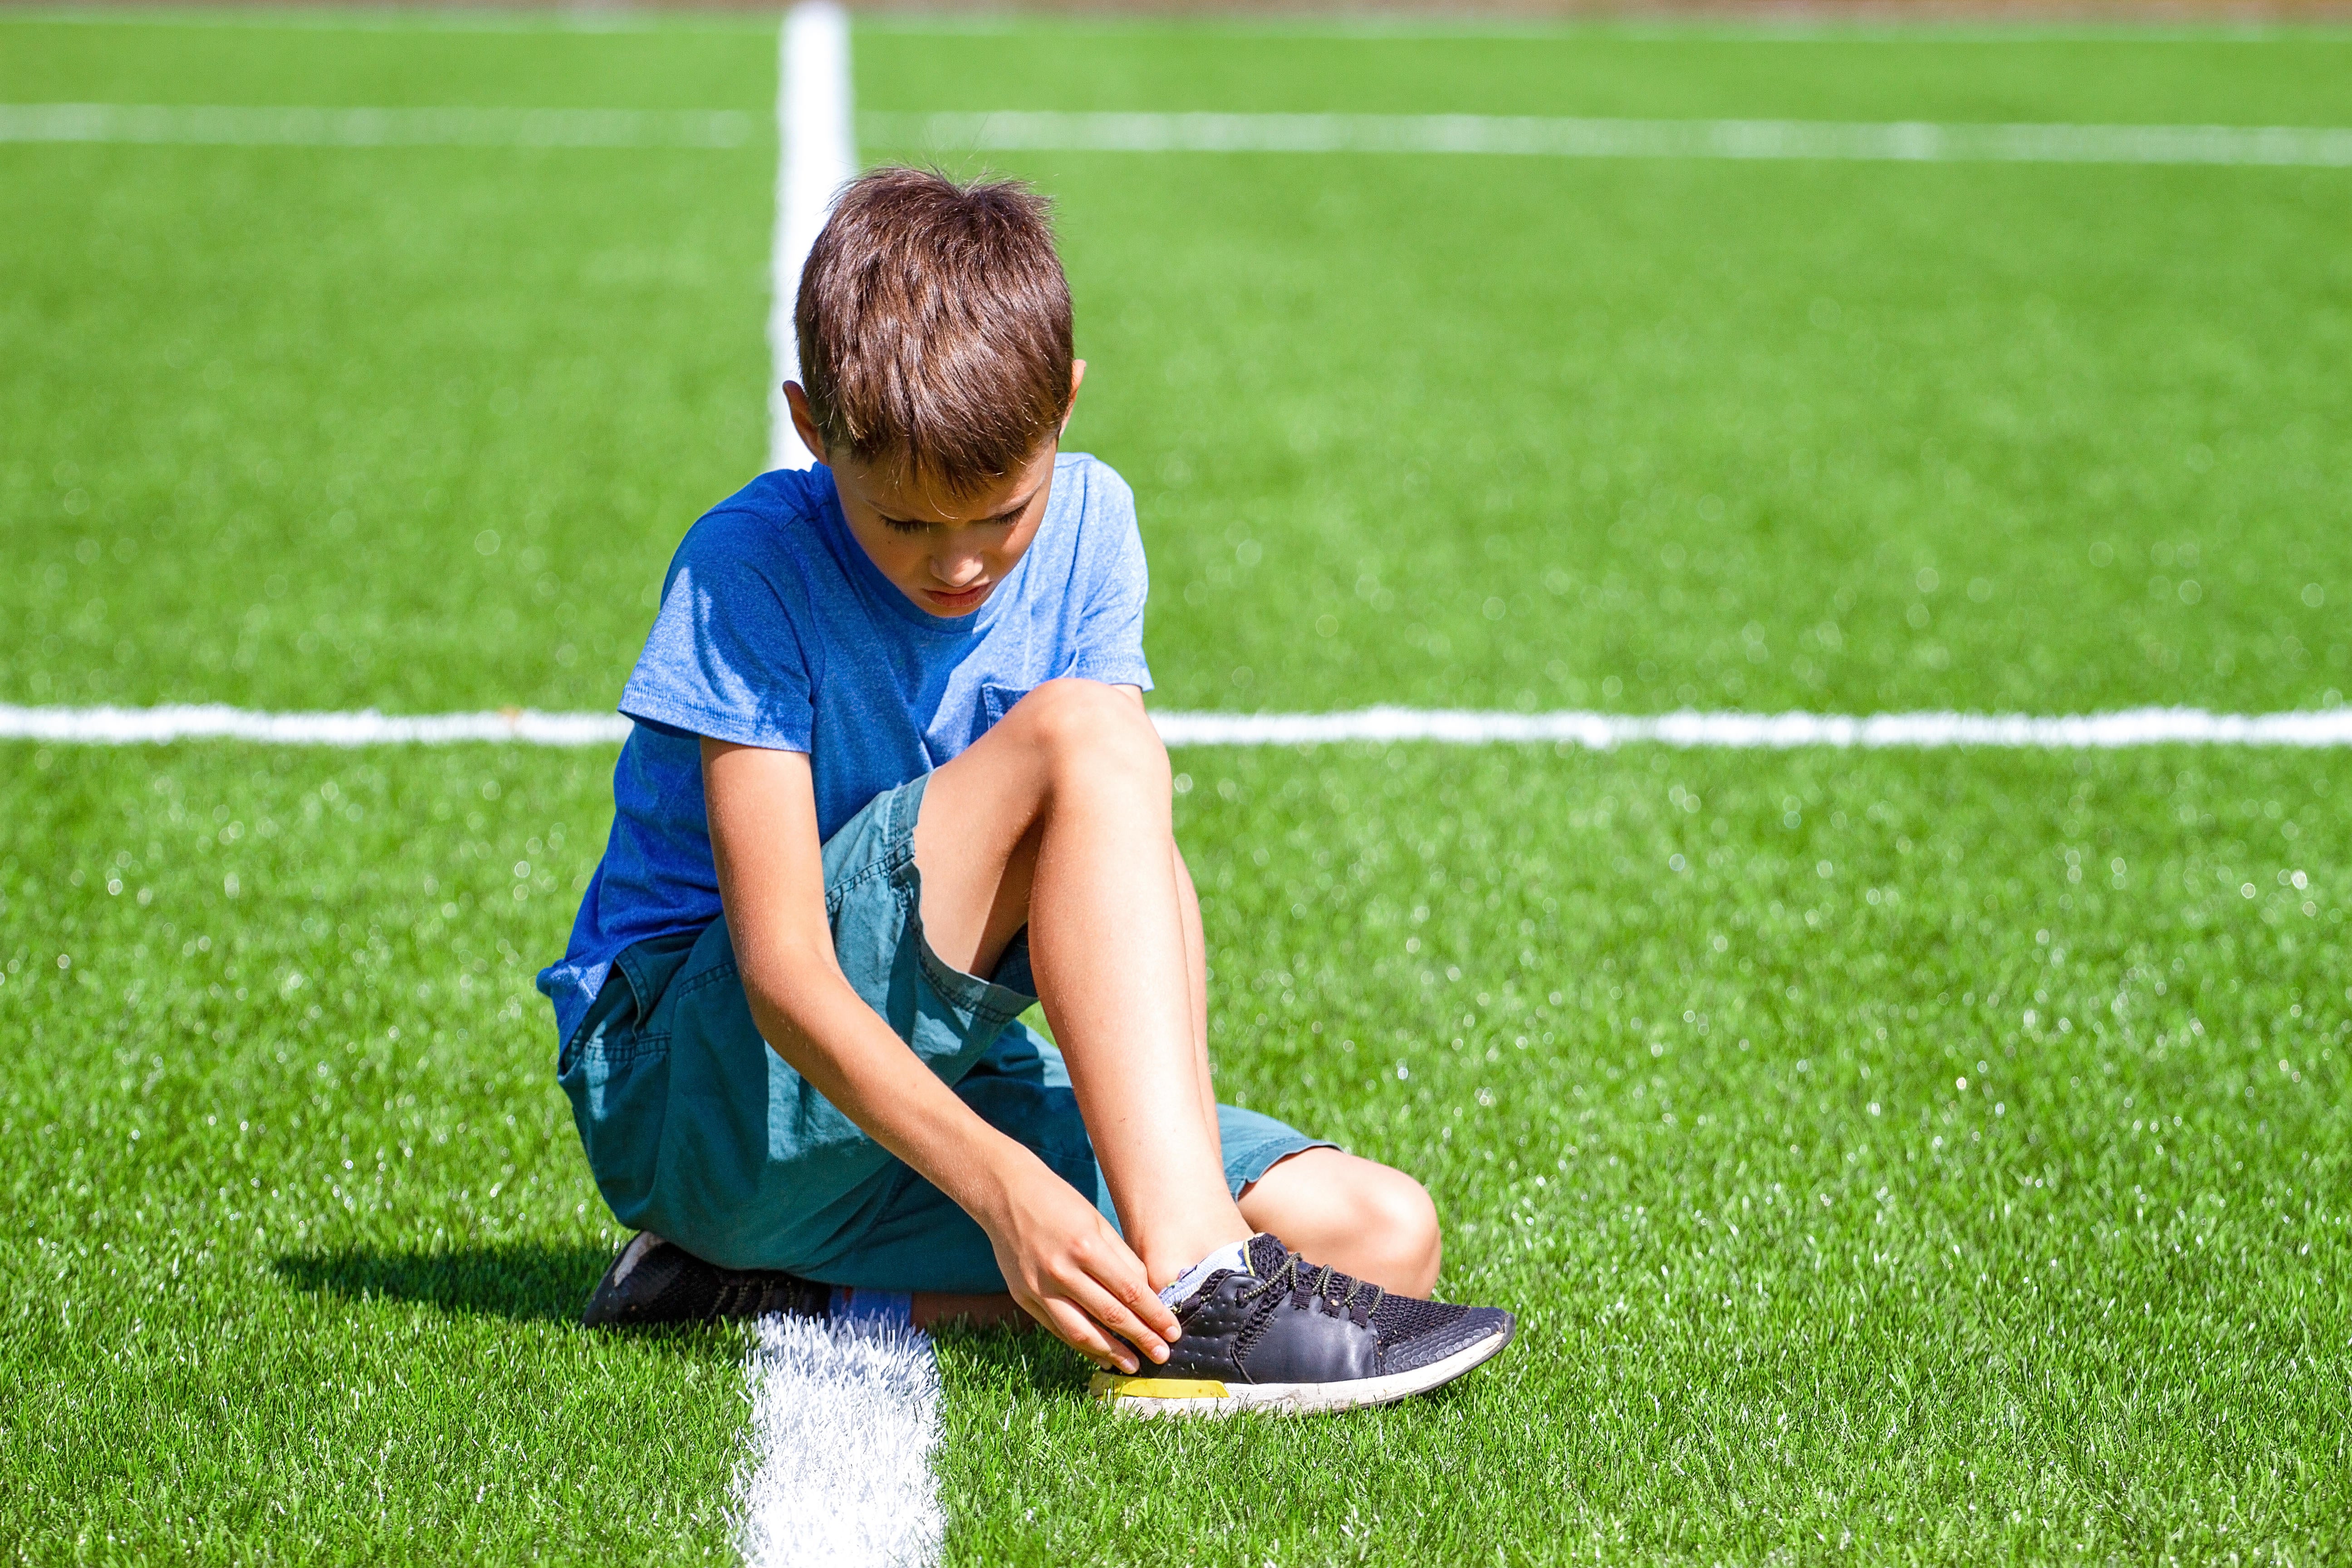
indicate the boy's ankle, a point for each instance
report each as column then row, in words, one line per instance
column 1165, row 1259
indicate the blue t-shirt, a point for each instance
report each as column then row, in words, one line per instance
column 777, row 630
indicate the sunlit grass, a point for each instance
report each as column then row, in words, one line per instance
column 1785, row 1278
column 1499, row 432
column 1938, row 1157
column 1934, row 1157
column 299, row 1230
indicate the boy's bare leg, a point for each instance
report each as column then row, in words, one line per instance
column 1196, row 961
column 1058, row 819
column 1000, row 1311
column 1358, row 1216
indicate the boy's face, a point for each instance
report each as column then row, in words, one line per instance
column 946, row 553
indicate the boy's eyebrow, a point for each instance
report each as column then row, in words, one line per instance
column 1007, row 515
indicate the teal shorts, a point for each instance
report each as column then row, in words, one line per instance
column 698, row 1131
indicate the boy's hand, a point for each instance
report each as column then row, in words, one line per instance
column 1071, row 1271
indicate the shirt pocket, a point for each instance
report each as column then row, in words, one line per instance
column 996, row 701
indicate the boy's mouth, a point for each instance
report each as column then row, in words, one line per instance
column 959, row 601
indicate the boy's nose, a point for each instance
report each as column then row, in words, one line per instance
column 958, row 572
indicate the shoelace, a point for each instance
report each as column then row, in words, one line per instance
column 1302, row 1290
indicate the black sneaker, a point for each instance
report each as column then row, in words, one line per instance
column 1290, row 1338
column 653, row 1282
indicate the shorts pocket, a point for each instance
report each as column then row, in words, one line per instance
column 616, row 1071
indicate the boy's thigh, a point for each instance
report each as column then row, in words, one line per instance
column 698, row 1131
column 977, row 843
column 976, row 846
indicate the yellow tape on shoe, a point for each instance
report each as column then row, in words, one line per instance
column 1111, row 1385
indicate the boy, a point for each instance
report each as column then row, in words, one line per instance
column 891, row 780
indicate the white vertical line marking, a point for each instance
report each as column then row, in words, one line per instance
column 844, row 1420
column 815, row 156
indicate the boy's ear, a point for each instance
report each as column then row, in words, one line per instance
column 803, row 421
column 1078, row 378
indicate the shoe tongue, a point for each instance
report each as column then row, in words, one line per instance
column 1265, row 1255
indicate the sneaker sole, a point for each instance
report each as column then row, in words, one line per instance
column 1148, row 1397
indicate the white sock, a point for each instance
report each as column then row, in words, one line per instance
column 1234, row 1255
column 855, row 1304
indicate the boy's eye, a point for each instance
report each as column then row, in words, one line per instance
column 911, row 527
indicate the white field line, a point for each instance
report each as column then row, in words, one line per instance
column 817, row 156
column 2308, row 728
column 814, row 126
column 364, row 727
column 224, row 125
column 1768, row 732
column 844, row 1420
column 1904, row 142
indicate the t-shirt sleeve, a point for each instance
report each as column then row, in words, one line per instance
column 1117, row 582
column 725, row 657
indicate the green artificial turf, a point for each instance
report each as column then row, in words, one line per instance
column 1936, row 1156
column 299, row 1227
column 2127, row 75
column 489, row 386
column 1488, row 432
column 1676, row 1038
column 1528, row 432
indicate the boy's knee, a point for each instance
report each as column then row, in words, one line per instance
column 1405, row 1219
column 1089, row 723
column 1395, row 1216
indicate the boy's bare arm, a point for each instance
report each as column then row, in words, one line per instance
column 1064, row 1265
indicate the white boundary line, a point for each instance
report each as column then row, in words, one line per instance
column 817, row 156
column 1768, row 732
column 2315, row 728
column 227, row 125
column 2280, row 146
column 844, row 1420
column 813, row 127
column 109, row 726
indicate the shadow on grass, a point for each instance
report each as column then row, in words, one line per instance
column 528, row 1282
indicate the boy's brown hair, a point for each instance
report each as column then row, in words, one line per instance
column 934, row 327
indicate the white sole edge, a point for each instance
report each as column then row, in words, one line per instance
column 1317, row 1398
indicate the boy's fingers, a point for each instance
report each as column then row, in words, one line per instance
column 1078, row 1331
column 1145, row 1303
column 1068, row 1324
column 1133, row 1289
column 1104, row 1305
